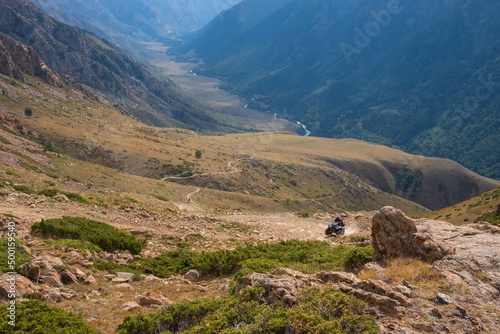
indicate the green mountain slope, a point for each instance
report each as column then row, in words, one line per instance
column 420, row 76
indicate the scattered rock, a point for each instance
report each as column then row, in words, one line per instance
column 80, row 275
column 68, row 277
column 152, row 299
column 52, row 278
column 88, row 264
column 90, row 280
column 130, row 306
column 444, row 299
column 20, row 285
column 128, row 277
column 192, row 275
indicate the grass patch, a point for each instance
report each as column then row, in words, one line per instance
column 4, row 140
column 328, row 311
column 21, row 256
column 100, row 234
column 305, row 214
column 33, row 316
column 23, row 189
column 160, row 197
column 50, row 183
column 8, row 215
column 12, row 173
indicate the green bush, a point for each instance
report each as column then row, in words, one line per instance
column 325, row 312
column 492, row 218
column 35, row 317
column 305, row 214
column 48, row 192
column 24, row 189
column 12, row 173
column 100, row 234
column 308, row 257
column 75, row 197
column 21, row 256
column 50, row 183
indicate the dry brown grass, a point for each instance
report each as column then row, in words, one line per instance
column 416, row 272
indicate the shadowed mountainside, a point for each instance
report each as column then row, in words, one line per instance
column 416, row 75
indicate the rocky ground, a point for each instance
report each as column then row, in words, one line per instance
column 461, row 295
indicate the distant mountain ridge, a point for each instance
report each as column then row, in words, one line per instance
column 100, row 65
column 136, row 19
column 420, row 76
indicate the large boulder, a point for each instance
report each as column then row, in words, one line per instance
column 16, row 284
column 396, row 235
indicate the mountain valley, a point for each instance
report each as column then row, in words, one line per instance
column 143, row 198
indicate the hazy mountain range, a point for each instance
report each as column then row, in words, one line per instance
column 131, row 23
column 421, row 76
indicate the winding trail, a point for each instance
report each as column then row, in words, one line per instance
column 192, row 194
column 234, row 170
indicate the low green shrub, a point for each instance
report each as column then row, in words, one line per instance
column 50, row 183
column 100, row 234
column 16, row 250
column 36, row 317
column 329, row 311
column 23, row 189
column 492, row 218
column 48, row 192
column 308, row 257
column 12, row 173
column 75, row 197
column 305, row 214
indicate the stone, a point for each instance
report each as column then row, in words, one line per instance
column 444, row 299
column 128, row 277
column 152, row 299
column 130, row 306
column 20, row 285
column 87, row 264
column 52, row 278
column 80, row 275
column 90, row 280
column 191, row 275
column 68, row 277
column 124, row 286
column 119, row 280
column 396, row 235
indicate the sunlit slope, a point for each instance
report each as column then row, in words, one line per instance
column 292, row 171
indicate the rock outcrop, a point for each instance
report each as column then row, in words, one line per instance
column 17, row 59
column 396, row 235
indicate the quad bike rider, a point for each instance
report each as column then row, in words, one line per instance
column 337, row 227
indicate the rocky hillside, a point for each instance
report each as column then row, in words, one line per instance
column 95, row 63
column 444, row 281
column 17, row 59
